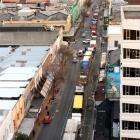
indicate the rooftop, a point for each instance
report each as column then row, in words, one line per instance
column 116, row 14
column 22, row 59
column 131, row 17
column 131, row 12
column 5, row 106
column 114, row 29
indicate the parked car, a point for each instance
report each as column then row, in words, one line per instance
column 75, row 60
column 93, row 33
column 80, row 53
column 93, row 27
column 87, row 41
column 94, row 21
column 83, row 34
column 47, row 119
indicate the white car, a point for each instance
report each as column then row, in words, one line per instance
column 86, row 41
column 75, row 60
column 80, row 53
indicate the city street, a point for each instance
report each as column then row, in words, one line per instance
column 55, row 130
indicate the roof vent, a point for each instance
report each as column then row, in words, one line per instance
column 23, row 52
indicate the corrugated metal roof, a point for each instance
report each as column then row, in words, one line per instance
column 7, row 104
column 30, row 55
column 14, row 84
column 11, row 92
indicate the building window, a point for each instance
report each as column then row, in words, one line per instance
column 131, row 53
column 131, row 72
column 124, row 138
column 130, row 125
column 115, row 43
column 131, row 35
column 130, row 108
column 138, row 35
column 131, row 90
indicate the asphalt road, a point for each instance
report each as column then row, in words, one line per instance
column 54, row 131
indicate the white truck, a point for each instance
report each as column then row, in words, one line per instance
column 103, row 60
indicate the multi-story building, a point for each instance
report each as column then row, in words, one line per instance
column 130, row 74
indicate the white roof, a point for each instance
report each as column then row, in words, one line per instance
column 16, row 77
column 7, row 84
column 19, row 70
column 114, row 29
column 25, row 56
column 4, row 51
column 71, row 126
column 7, row 104
column 11, row 92
column 17, row 73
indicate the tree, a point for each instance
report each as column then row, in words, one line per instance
column 65, row 53
column 21, row 136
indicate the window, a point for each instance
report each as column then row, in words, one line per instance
column 130, row 108
column 130, row 125
column 138, row 35
column 132, row 34
column 131, row 72
column 115, row 43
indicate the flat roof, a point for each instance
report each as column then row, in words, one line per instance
column 114, row 29
column 7, row 104
column 11, row 92
column 28, row 37
column 16, row 77
column 25, row 56
column 11, row 84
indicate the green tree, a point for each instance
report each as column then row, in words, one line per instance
column 21, row 136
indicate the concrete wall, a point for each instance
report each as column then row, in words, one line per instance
column 111, row 39
column 59, row 23
column 26, row 38
column 18, row 113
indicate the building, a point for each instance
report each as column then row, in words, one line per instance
column 34, row 16
column 22, row 71
column 130, row 74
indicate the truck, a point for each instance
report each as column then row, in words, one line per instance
column 103, row 60
column 79, row 90
column 93, row 43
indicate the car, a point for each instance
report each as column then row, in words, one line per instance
column 94, row 33
column 75, row 60
column 94, row 27
column 80, row 53
column 94, row 21
column 47, row 119
column 87, row 41
column 83, row 34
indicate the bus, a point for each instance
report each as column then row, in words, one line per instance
column 78, row 104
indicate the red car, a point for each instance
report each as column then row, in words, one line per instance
column 93, row 27
column 93, row 33
column 47, row 119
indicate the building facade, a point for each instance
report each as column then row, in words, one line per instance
column 130, row 74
